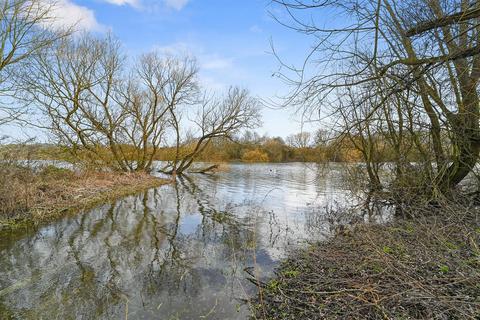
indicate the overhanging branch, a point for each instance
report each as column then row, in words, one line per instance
column 443, row 21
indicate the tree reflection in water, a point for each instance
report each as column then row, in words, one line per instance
column 174, row 252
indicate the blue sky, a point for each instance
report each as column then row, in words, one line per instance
column 231, row 40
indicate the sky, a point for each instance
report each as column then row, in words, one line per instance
column 231, row 39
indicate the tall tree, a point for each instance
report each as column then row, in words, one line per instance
column 25, row 29
column 117, row 115
column 384, row 48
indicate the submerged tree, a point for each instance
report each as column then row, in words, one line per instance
column 111, row 115
column 410, row 67
column 215, row 117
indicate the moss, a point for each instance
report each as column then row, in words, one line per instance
column 443, row 269
column 291, row 273
column 387, row 250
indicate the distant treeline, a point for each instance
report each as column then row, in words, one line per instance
column 319, row 146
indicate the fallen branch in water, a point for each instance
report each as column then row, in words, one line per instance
column 211, row 168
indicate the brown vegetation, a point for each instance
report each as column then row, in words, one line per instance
column 402, row 71
column 427, row 269
column 255, row 155
column 111, row 114
column 394, row 78
column 396, row 81
column 222, row 149
column 33, row 195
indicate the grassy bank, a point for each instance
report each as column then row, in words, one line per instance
column 33, row 196
column 426, row 268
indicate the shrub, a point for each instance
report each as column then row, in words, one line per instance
column 52, row 172
column 16, row 188
column 255, row 155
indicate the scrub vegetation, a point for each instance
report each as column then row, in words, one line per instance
column 392, row 85
column 422, row 268
column 32, row 196
column 397, row 78
column 106, row 117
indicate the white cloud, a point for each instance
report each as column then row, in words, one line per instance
column 150, row 5
column 215, row 70
column 67, row 14
column 212, row 83
column 176, row 4
column 133, row 3
column 207, row 61
column 177, row 48
column 214, row 62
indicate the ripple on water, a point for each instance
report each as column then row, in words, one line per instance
column 177, row 251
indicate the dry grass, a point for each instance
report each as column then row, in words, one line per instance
column 33, row 196
column 427, row 268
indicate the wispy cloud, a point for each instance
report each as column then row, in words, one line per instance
column 213, row 66
column 256, row 29
column 206, row 60
column 212, row 84
column 133, row 3
column 177, row 48
column 66, row 13
column 215, row 62
column 150, row 5
column 176, row 4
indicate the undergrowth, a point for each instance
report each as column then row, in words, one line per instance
column 426, row 268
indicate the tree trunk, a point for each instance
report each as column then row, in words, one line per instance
column 466, row 133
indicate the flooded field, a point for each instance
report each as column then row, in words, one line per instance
column 175, row 252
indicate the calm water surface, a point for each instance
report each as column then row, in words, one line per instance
column 175, row 252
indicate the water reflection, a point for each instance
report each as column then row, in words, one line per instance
column 175, row 252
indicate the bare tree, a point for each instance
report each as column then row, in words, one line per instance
column 321, row 137
column 112, row 116
column 73, row 85
column 98, row 109
column 25, row 29
column 215, row 118
column 428, row 48
column 299, row 140
column 158, row 88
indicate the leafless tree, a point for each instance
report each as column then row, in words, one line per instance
column 25, row 29
column 428, row 48
column 73, row 84
column 157, row 90
column 101, row 111
column 119, row 117
column 299, row 140
column 216, row 117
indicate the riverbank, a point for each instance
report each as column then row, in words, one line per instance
column 426, row 268
column 35, row 196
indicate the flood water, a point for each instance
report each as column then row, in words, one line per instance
column 174, row 252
